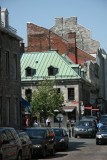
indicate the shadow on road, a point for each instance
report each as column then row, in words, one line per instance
column 57, row 155
column 75, row 146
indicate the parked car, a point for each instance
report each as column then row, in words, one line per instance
column 101, row 136
column 43, row 140
column 10, row 144
column 84, row 128
column 61, row 139
column 26, row 145
column 103, row 119
column 94, row 118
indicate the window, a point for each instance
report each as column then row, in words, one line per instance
column 52, row 71
column 0, row 109
column 15, row 66
column 9, row 135
column 71, row 94
column 7, row 63
column 0, row 61
column 58, row 90
column 30, row 71
column 16, row 111
column 28, row 93
column 8, row 111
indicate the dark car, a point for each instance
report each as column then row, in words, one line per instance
column 61, row 139
column 103, row 119
column 43, row 140
column 26, row 145
column 10, row 144
column 94, row 118
column 101, row 136
column 85, row 128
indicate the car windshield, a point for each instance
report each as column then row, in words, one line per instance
column 85, row 123
column 104, row 119
column 58, row 132
column 103, row 129
column 35, row 133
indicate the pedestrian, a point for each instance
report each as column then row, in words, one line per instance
column 48, row 122
column 27, row 121
column 68, row 127
column 35, row 124
column 99, row 125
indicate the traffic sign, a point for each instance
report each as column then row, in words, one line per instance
column 59, row 117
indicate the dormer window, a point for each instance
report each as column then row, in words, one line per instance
column 30, row 71
column 52, row 71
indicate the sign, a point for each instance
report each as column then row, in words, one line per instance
column 59, row 117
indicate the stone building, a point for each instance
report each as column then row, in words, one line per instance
column 83, row 35
column 10, row 80
column 41, row 39
column 70, row 79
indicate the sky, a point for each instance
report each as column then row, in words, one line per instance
column 92, row 14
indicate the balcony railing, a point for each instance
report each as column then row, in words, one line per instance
column 9, row 28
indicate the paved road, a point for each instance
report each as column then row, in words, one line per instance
column 81, row 149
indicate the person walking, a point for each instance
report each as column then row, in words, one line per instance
column 99, row 125
column 48, row 122
column 35, row 124
column 68, row 127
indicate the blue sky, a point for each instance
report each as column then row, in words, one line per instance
column 91, row 14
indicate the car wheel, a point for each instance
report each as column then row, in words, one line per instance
column 19, row 156
column 75, row 136
column 44, row 152
column 52, row 152
column 97, row 143
column 67, row 146
column 0, row 157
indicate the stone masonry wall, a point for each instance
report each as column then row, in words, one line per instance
column 83, row 35
column 10, row 81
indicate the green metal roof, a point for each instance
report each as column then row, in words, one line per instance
column 41, row 61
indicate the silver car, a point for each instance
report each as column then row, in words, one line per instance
column 101, row 136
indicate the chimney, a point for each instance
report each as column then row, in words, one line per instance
column 4, row 17
column 22, row 48
column 0, row 15
column 59, row 22
column 72, row 40
column 72, row 43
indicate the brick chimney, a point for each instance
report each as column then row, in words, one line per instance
column 72, row 43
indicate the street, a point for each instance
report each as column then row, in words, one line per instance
column 82, row 149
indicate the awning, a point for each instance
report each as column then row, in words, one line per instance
column 68, row 108
column 26, row 104
column 90, row 108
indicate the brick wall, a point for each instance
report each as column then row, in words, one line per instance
column 41, row 39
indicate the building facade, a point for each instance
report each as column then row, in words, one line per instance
column 10, row 81
column 69, row 78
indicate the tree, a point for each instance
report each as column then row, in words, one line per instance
column 46, row 99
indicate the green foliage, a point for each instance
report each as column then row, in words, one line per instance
column 46, row 99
